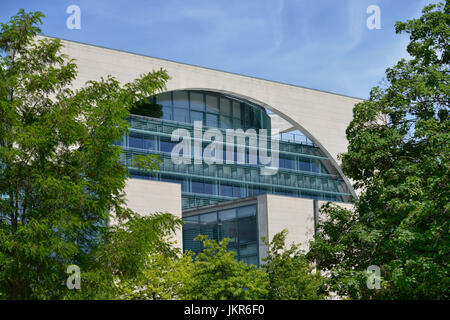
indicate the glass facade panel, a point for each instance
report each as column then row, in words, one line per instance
column 226, row 122
column 167, row 113
column 180, row 99
column 228, row 230
column 164, row 99
column 246, row 228
column 135, row 142
column 149, row 143
column 300, row 163
column 211, row 120
column 227, row 214
column 225, row 107
column 197, row 102
column 247, row 211
column 304, row 164
column 196, row 116
column 226, row 190
column 248, row 249
column 241, row 232
column 236, row 110
column 212, row 104
column 181, row 115
column 208, row 217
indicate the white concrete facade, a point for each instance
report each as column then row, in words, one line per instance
column 148, row 196
column 323, row 117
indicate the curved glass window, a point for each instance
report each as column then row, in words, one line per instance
column 213, row 109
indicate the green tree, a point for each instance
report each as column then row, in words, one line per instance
column 61, row 178
column 290, row 274
column 215, row 274
column 135, row 260
column 398, row 156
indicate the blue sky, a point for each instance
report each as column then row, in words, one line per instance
column 321, row 44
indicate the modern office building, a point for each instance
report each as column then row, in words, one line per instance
column 241, row 157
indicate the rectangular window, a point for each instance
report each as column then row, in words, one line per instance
column 135, row 142
column 248, row 249
column 228, row 230
column 211, row 120
column 196, row 116
column 247, row 230
column 208, row 217
column 226, row 122
column 226, row 190
column 227, row 214
column 197, row 187
column 149, row 143
column 304, row 164
column 210, row 230
column 181, row 115
column 167, row 113
column 237, row 123
column 180, row 99
column 246, row 211
column 315, row 166
column 197, row 102
column 164, row 99
column 166, row 146
column 238, row 192
column 209, row 188
column 225, row 107
column 236, row 110
column 212, row 104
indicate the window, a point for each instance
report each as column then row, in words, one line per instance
column 227, row 214
column 212, row 104
column 247, row 230
column 135, row 142
column 180, row 99
column 238, row 192
column 225, row 107
column 226, row 190
column 248, row 249
column 149, row 143
column 166, row 146
column 217, row 225
column 181, row 115
column 197, row 101
column 226, row 122
column 236, row 110
column 304, row 164
column 167, row 113
column 211, row 120
column 228, row 230
column 164, row 99
column 247, row 211
column 315, row 166
column 196, row 116
column 208, row 217
column 197, row 187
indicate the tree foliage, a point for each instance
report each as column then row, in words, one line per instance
column 398, row 156
column 61, row 178
column 290, row 274
column 215, row 274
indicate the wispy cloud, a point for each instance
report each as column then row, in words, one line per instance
column 321, row 44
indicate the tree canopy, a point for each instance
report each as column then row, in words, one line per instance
column 61, row 178
column 398, row 156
